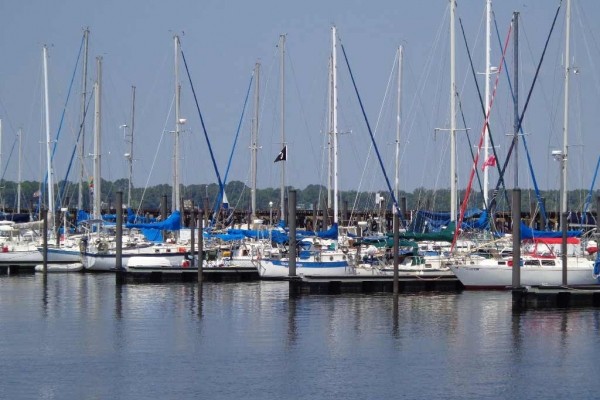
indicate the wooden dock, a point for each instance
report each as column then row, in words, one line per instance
column 177, row 274
column 539, row 297
column 373, row 284
column 15, row 269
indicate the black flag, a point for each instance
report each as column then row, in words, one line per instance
column 282, row 156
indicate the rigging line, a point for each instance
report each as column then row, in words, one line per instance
column 62, row 118
column 512, row 94
column 212, row 155
column 393, row 196
column 469, row 140
column 537, row 71
column 588, row 198
column 155, row 156
column 237, row 133
column 484, row 112
column 64, row 183
column 416, row 105
column 301, row 103
column 9, row 157
column 369, row 152
column 481, row 139
column 583, row 24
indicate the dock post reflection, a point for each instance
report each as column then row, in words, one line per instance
column 199, row 300
column 44, row 295
column 292, row 327
column 118, row 301
column 395, row 316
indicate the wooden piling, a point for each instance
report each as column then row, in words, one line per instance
column 200, row 249
column 45, row 240
column 292, row 226
column 119, row 238
column 516, row 232
column 396, row 248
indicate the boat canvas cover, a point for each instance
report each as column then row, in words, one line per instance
column 172, row 223
column 529, row 233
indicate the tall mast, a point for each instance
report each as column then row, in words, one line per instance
column 254, row 145
column 130, row 154
column 329, row 131
column 563, row 202
column 48, row 141
column 176, row 194
column 398, row 122
column 81, row 143
column 486, row 144
column 19, row 171
column 334, row 125
column 516, row 95
column 283, row 142
column 97, row 209
column 453, row 177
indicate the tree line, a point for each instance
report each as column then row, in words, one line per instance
column 238, row 195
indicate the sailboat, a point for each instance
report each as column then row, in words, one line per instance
column 536, row 267
column 318, row 256
column 99, row 251
column 24, row 249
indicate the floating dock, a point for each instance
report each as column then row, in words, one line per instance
column 15, row 269
column 373, row 284
column 538, row 297
column 181, row 274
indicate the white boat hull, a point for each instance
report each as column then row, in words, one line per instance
column 500, row 277
column 279, row 269
column 108, row 262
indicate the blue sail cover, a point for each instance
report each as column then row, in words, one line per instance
column 429, row 221
column 480, row 223
column 331, row 233
column 528, row 233
column 83, row 216
column 172, row 223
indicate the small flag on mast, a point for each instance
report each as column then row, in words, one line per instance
column 490, row 162
column 282, row 156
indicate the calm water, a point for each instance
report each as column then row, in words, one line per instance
column 82, row 337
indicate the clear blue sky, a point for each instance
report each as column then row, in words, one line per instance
column 222, row 40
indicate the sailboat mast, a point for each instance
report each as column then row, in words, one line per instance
column 130, row 154
column 486, row 144
column 254, row 145
column 81, row 143
column 48, row 141
column 334, row 125
column 176, row 194
column 19, row 171
column 516, row 95
column 563, row 201
column 97, row 209
column 329, row 132
column 398, row 122
column 453, row 177
column 283, row 142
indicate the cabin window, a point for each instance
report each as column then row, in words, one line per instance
column 532, row 262
column 548, row 262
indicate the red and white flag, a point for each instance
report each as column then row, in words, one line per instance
column 490, row 162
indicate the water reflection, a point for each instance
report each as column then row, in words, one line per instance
column 361, row 346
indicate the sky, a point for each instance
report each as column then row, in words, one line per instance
column 222, row 41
